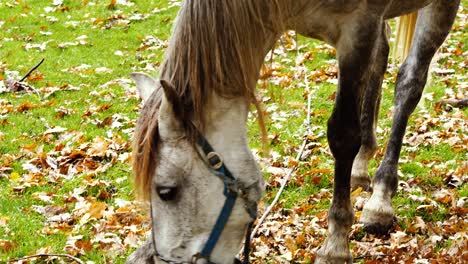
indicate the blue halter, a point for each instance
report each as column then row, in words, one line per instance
column 232, row 189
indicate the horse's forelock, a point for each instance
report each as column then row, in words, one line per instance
column 145, row 145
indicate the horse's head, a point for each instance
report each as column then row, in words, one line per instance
column 189, row 175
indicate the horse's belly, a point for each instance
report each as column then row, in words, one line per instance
column 403, row 7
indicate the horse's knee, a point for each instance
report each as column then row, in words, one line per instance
column 344, row 137
column 410, row 84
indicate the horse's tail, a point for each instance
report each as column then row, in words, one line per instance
column 404, row 36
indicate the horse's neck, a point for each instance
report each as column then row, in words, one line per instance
column 225, row 121
column 225, row 118
column 226, row 130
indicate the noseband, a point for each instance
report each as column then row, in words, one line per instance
column 233, row 188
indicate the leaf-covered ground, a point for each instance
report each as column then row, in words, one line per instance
column 65, row 139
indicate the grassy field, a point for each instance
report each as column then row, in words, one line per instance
column 65, row 176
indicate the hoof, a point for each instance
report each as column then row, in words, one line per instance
column 361, row 181
column 379, row 228
column 327, row 259
column 335, row 250
column 377, row 215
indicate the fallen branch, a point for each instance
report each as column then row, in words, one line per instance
column 458, row 103
column 372, row 256
column 47, row 255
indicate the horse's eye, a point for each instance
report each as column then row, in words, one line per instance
column 167, row 193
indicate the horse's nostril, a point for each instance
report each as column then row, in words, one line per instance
column 167, row 193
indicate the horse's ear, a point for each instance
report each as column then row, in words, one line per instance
column 172, row 98
column 170, row 113
column 146, row 84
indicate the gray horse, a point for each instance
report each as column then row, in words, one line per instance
column 191, row 154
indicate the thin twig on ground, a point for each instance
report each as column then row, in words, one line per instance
column 372, row 256
column 291, row 170
column 46, row 255
column 31, row 70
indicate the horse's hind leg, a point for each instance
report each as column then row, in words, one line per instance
column 356, row 50
column 370, row 111
column 433, row 25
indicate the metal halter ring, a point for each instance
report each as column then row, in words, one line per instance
column 215, row 160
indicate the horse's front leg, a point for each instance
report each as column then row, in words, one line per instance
column 433, row 24
column 369, row 115
column 356, row 49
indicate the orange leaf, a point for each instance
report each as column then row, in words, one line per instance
column 26, row 106
column 97, row 209
column 316, row 180
column 84, row 245
column 112, row 4
column 36, row 77
column 7, row 245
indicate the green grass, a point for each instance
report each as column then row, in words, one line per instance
column 90, row 103
column 23, row 23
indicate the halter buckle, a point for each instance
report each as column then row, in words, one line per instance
column 215, row 160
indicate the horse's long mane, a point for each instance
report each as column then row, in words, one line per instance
column 211, row 50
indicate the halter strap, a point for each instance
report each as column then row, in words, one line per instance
column 219, row 226
column 232, row 189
